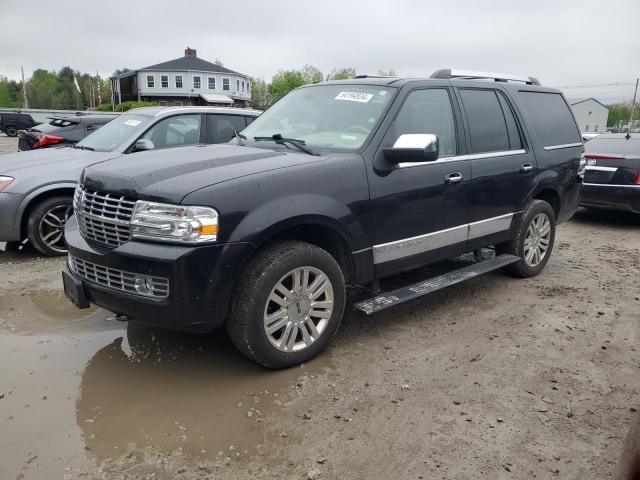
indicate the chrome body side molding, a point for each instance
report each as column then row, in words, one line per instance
column 566, row 145
column 407, row 247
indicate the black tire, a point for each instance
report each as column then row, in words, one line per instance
column 38, row 229
column 11, row 131
column 516, row 246
column 245, row 322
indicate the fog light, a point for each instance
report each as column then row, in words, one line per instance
column 143, row 285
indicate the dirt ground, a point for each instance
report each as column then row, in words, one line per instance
column 495, row 378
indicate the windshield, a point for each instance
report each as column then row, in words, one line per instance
column 117, row 131
column 332, row 117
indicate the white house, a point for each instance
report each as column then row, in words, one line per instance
column 591, row 115
column 187, row 80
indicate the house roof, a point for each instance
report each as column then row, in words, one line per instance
column 575, row 102
column 191, row 63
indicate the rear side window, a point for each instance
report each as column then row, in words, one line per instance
column 487, row 124
column 551, row 118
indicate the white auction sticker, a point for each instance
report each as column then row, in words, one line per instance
column 132, row 123
column 355, row 96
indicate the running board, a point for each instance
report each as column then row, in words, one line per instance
column 401, row 295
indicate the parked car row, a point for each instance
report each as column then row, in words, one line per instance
column 36, row 187
column 60, row 131
column 342, row 182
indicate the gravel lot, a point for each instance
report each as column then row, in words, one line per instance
column 495, row 378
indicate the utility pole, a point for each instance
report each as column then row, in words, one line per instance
column 25, row 102
column 633, row 106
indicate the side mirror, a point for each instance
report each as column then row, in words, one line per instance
column 413, row 147
column 143, row 144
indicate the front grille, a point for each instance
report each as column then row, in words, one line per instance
column 103, row 217
column 156, row 287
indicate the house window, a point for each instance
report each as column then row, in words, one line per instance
column 178, row 81
column 164, row 81
column 243, row 85
column 196, row 81
column 595, row 128
column 248, row 88
column 225, row 84
column 212, row 83
column 151, row 81
column 237, row 85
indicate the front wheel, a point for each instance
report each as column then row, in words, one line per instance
column 45, row 227
column 533, row 241
column 11, row 131
column 287, row 305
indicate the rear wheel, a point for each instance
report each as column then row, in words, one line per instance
column 45, row 227
column 533, row 241
column 11, row 131
column 287, row 305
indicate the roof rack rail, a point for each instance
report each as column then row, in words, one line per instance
column 449, row 73
column 375, row 76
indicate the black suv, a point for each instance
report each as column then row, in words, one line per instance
column 11, row 122
column 338, row 183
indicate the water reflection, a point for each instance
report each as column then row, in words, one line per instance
column 174, row 392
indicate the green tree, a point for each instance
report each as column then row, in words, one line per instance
column 260, row 96
column 10, row 93
column 283, row 82
column 311, row 74
column 341, row 73
column 41, row 88
column 620, row 113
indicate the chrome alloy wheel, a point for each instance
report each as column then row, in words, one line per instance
column 298, row 309
column 536, row 242
column 51, row 227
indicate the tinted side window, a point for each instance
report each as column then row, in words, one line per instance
column 428, row 111
column 175, row 131
column 551, row 118
column 220, row 127
column 487, row 125
column 249, row 120
column 515, row 141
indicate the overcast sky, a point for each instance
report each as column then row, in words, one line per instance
column 575, row 42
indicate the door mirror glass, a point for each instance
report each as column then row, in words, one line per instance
column 413, row 147
column 143, row 144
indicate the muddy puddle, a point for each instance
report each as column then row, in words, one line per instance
column 84, row 402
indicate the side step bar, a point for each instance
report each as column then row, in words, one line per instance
column 401, row 295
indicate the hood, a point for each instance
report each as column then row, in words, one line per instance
column 48, row 165
column 171, row 174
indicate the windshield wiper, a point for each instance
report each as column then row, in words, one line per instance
column 83, row 147
column 280, row 140
column 239, row 137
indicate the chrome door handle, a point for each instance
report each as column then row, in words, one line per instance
column 526, row 167
column 455, row 177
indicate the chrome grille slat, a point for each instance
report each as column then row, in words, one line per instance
column 116, row 279
column 103, row 217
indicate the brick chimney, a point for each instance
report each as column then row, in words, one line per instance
column 190, row 52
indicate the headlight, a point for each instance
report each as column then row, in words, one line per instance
column 174, row 223
column 4, row 182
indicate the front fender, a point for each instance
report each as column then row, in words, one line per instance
column 28, row 198
column 286, row 212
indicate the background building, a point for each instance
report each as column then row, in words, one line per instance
column 591, row 115
column 187, row 80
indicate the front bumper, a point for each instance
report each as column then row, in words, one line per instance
column 611, row 197
column 9, row 224
column 201, row 279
